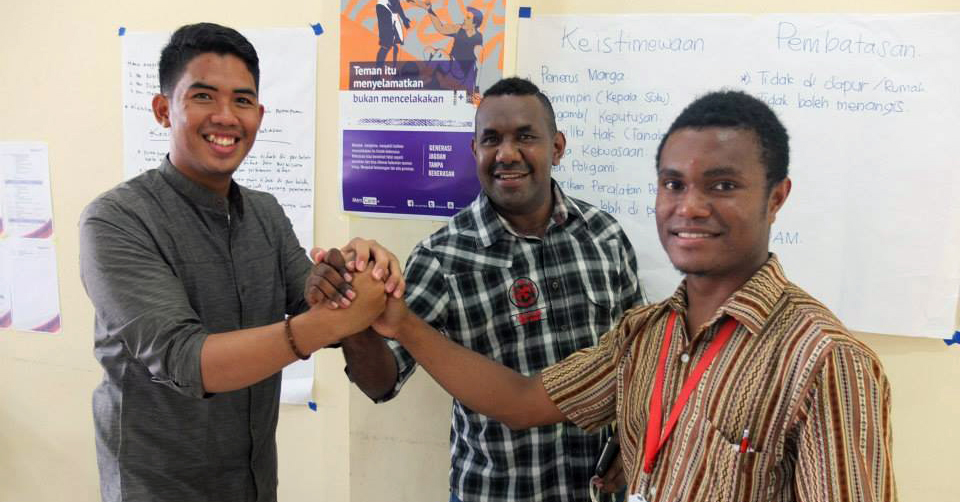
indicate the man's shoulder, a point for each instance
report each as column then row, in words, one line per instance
column 598, row 222
column 816, row 326
column 461, row 231
column 130, row 197
column 458, row 246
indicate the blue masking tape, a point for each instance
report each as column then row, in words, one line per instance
column 525, row 12
column 954, row 340
column 312, row 405
column 121, row 31
column 317, row 29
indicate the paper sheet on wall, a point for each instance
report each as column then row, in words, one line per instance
column 29, row 290
column 872, row 226
column 281, row 161
column 296, row 386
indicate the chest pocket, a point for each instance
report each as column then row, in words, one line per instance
column 478, row 305
column 601, row 283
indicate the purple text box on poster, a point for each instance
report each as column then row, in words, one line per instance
column 408, row 172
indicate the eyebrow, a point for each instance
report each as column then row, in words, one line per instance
column 713, row 172
column 721, row 171
column 241, row 90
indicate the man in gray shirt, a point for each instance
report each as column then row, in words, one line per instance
column 192, row 278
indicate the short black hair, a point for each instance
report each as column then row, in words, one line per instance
column 516, row 86
column 739, row 110
column 192, row 40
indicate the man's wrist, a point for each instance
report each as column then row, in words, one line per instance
column 406, row 327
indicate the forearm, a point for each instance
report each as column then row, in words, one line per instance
column 441, row 27
column 480, row 383
column 237, row 359
column 370, row 363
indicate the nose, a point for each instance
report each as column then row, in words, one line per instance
column 508, row 152
column 693, row 204
column 225, row 115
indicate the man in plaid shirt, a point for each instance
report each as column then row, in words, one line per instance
column 526, row 276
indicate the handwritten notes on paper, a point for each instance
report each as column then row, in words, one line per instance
column 872, row 226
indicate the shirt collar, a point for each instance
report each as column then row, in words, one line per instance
column 751, row 304
column 491, row 226
column 198, row 194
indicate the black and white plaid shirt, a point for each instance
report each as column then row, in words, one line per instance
column 527, row 303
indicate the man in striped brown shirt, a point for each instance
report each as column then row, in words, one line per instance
column 740, row 386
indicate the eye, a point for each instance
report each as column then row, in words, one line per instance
column 526, row 137
column 489, row 140
column 670, row 184
column 724, row 186
column 202, row 96
column 244, row 100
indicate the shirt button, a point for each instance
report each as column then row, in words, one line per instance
column 653, row 491
column 684, row 358
column 555, row 284
column 564, row 327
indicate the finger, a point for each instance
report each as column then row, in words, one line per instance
column 361, row 249
column 315, row 297
column 395, row 282
column 342, row 286
column 335, row 259
column 324, row 290
column 613, row 479
column 317, row 254
column 381, row 260
column 326, row 283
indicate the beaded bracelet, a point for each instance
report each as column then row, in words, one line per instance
column 293, row 343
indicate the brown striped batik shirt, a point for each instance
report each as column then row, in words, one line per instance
column 816, row 401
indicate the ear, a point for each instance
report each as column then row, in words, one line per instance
column 473, row 146
column 559, row 146
column 778, row 196
column 262, row 109
column 161, row 110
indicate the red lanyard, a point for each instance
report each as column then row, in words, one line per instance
column 655, row 437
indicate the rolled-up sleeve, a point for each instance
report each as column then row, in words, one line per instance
column 584, row 385
column 141, row 306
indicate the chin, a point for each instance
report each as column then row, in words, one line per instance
column 690, row 270
column 692, row 267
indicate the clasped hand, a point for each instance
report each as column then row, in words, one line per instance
column 331, row 281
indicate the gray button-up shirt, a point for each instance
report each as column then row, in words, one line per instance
column 167, row 262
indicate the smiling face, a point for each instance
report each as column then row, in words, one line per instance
column 213, row 115
column 714, row 209
column 515, row 150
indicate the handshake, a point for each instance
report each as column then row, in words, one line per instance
column 359, row 286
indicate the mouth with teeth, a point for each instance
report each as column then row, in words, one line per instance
column 221, row 143
column 693, row 235
column 692, row 238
